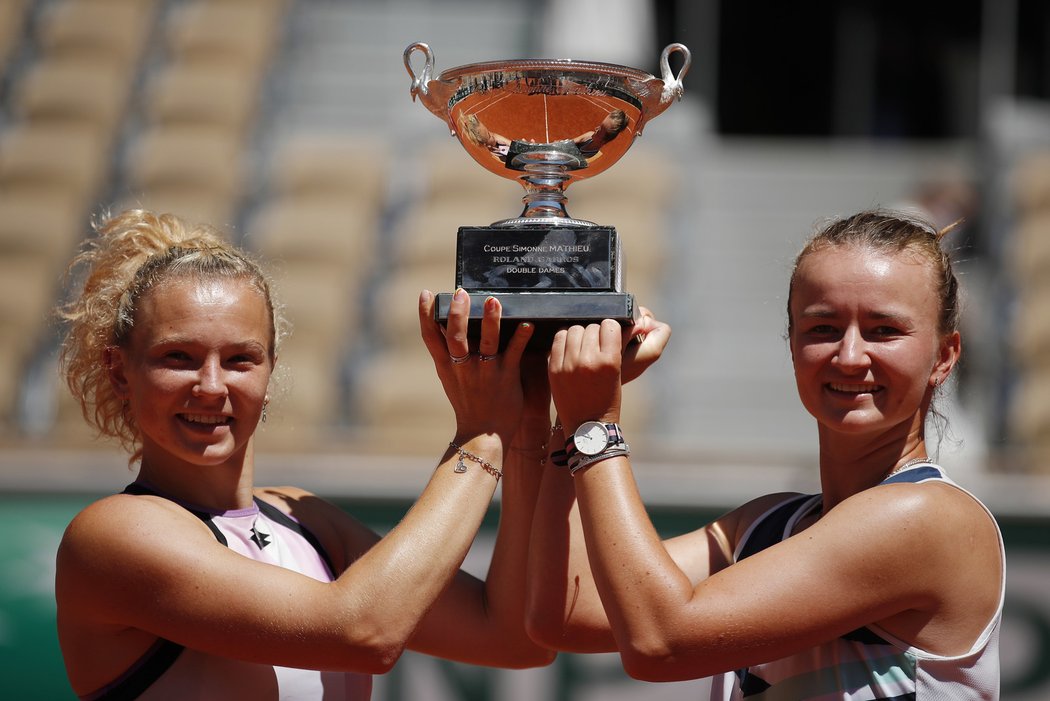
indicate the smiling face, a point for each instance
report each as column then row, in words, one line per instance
column 864, row 340
column 196, row 369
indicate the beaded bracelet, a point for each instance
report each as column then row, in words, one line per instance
column 485, row 464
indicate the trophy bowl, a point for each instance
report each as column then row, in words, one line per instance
column 545, row 123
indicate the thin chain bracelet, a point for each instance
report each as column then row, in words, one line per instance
column 485, row 464
column 546, row 446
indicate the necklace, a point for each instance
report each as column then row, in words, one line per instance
column 905, row 466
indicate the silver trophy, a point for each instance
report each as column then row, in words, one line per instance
column 545, row 123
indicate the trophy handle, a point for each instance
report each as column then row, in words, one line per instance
column 669, row 87
column 432, row 93
column 673, row 87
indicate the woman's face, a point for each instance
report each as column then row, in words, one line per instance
column 864, row 338
column 196, row 369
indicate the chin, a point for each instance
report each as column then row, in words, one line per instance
column 214, row 454
column 854, row 422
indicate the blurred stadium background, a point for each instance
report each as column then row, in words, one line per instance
column 289, row 124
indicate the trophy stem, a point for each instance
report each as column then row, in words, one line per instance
column 545, row 190
column 546, row 177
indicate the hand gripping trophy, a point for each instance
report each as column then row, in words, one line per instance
column 545, row 123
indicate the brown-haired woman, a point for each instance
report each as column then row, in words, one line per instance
column 886, row 585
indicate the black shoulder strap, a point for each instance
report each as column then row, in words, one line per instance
column 138, row 490
column 770, row 529
column 143, row 673
column 917, row 474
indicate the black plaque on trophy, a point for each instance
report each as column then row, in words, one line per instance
column 546, row 124
column 537, row 259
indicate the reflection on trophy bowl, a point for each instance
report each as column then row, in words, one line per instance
column 545, row 123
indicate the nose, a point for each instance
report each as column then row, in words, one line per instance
column 210, row 380
column 852, row 351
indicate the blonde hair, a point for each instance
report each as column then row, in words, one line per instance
column 129, row 255
column 470, row 127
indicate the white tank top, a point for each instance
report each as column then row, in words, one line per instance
column 170, row 671
column 867, row 663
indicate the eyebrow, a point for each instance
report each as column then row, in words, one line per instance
column 825, row 313
column 190, row 341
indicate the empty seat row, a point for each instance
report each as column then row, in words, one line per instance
column 1028, row 415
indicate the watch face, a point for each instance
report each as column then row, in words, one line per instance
column 591, row 438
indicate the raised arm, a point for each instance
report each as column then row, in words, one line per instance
column 483, row 622
column 564, row 610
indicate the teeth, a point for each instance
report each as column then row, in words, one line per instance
column 202, row 419
column 854, row 388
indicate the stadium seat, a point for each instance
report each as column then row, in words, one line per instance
column 1030, row 248
column 42, row 225
column 326, row 232
column 194, row 204
column 53, row 157
column 234, row 33
column 67, row 90
column 114, row 31
column 191, row 94
column 12, row 26
column 188, row 158
column 1031, row 182
column 324, row 165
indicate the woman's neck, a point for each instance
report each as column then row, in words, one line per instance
column 851, row 464
column 222, row 487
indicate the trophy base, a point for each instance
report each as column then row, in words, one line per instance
column 549, row 311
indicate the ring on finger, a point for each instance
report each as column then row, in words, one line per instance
column 486, row 358
column 459, row 359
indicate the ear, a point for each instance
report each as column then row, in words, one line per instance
column 948, row 356
column 115, row 361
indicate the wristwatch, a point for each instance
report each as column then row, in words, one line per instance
column 593, row 442
column 594, row 438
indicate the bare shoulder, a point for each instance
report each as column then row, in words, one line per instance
column 933, row 535
column 117, row 540
column 936, row 507
column 119, row 516
column 942, row 547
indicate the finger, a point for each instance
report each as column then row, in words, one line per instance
column 557, row 355
column 429, row 328
column 657, row 334
column 633, row 332
column 575, row 342
column 490, row 323
column 518, row 342
column 640, row 356
column 610, row 339
column 456, row 328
